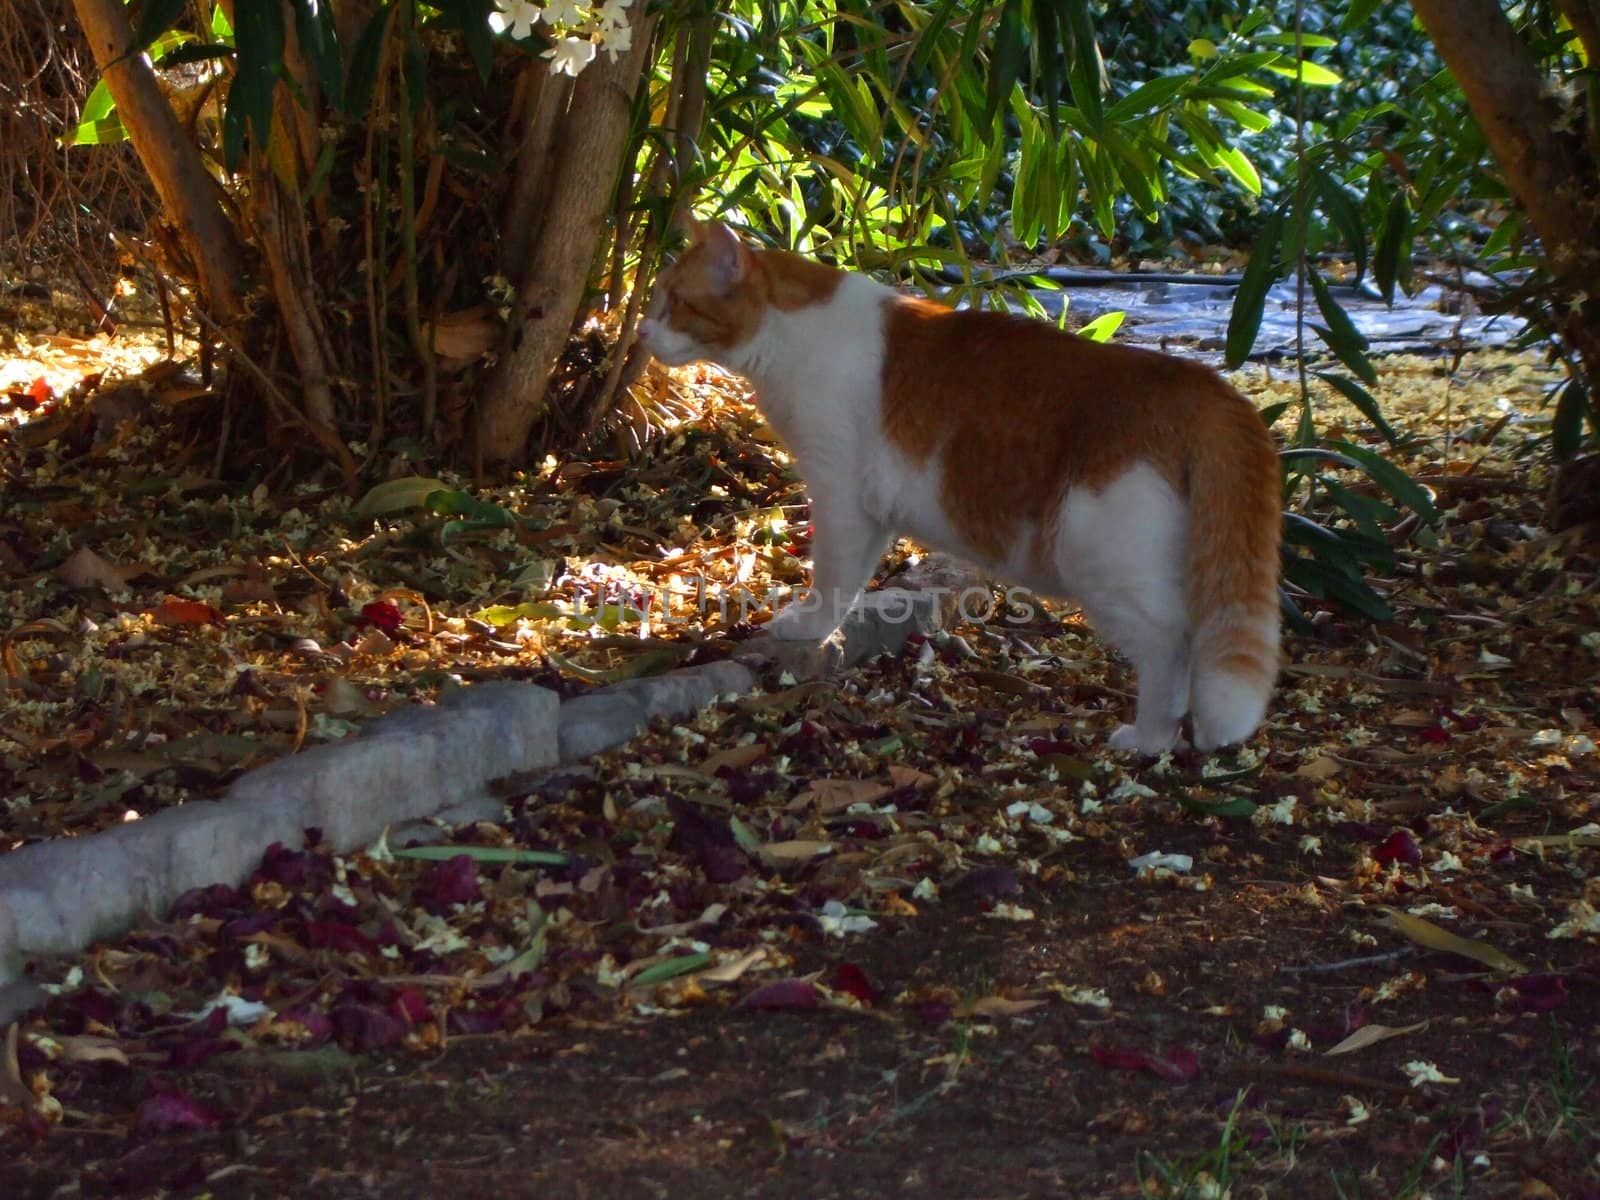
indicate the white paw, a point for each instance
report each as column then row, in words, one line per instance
column 799, row 623
column 1126, row 737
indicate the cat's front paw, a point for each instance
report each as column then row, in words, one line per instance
column 1127, row 737
column 802, row 623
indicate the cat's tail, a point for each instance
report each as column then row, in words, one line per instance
column 1234, row 526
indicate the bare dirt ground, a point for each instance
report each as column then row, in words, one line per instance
column 873, row 937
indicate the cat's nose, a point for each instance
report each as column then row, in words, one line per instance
column 646, row 328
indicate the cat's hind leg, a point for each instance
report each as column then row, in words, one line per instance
column 1120, row 550
column 1160, row 656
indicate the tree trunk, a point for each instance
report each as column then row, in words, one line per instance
column 545, row 105
column 589, row 147
column 188, row 194
column 1546, row 169
column 1553, row 176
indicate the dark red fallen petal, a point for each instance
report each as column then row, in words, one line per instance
column 1539, row 993
column 170, row 1110
column 1178, row 1063
column 708, row 840
column 217, row 901
column 853, row 980
column 1399, row 847
column 367, row 1027
column 291, row 868
column 453, row 881
column 411, row 1006
column 785, row 993
column 316, row 1022
column 336, row 935
column 382, row 614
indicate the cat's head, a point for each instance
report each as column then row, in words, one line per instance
column 708, row 302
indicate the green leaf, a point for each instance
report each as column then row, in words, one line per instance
column 396, row 494
column 1390, row 478
column 1084, row 69
column 671, row 968
column 1363, row 400
column 364, row 62
column 1345, row 215
column 1333, row 582
column 1147, row 97
column 1049, row 79
column 1567, row 429
column 1250, row 300
column 319, row 42
column 1310, row 73
column 485, row 854
column 928, row 35
column 500, row 615
column 1239, row 806
column 1005, row 59
column 456, row 503
column 197, row 52
column 260, row 39
column 1393, row 243
column 158, row 17
column 102, row 132
column 1356, row 15
column 1341, row 334
column 1102, row 327
column 1310, row 41
column 1241, row 168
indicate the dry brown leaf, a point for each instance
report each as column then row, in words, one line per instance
column 84, row 568
column 1005, row 681
column 910, row 777
column 1426, row 933
column 729, row 971
column 836, row 795
column 996, row 1006
column 1369, row 1035
column 86, row 1048
column 175, row 610
column 1318, row 769
column 12, row 1088
column 782, row 699
column 464, row 335
column 735, row 757
column 797, row 851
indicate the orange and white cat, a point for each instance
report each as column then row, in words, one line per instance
column 1141, row 485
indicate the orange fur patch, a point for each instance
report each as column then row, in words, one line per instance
column 719, row 289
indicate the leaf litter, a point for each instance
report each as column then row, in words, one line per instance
column 809, row 853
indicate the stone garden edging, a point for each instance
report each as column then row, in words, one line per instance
column 457, row 759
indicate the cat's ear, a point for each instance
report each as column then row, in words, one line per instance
column 725, row 253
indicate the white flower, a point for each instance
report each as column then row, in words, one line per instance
column 563, row 12
column 612, row 15
column 1006, row 911
column 1421, row 1071
column 570, row 55
column 616, row 40
column 837, row 920
column 518, row 16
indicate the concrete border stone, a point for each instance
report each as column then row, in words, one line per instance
column 459, row 757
